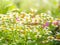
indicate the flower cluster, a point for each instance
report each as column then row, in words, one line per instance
column 31, row 27
column 14, row 19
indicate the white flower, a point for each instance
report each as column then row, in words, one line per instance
column 49, row 31
column 0, row 21
column 33, row 10
column 33, row 20
column 22, row 35
column 31, row 30
column 23, row 13
column 44, row 14
column 29, row 37
column 50, row 37
column 21, row 30
column 49, row 12
column 38, row 33
column 43, row 41
column 24, row 19
column 11, row 15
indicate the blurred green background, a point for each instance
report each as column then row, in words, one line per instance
column 52, row 6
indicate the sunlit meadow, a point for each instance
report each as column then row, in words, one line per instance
column 29, row 22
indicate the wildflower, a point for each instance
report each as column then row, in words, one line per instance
column 45, row 41
column 56, row 23
column 46, row 24
column 33, row 20
column 50, row 37
column 21, row 30
column 22, row 35
column 29, row 37
column 17, row 19
column 33, row 10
